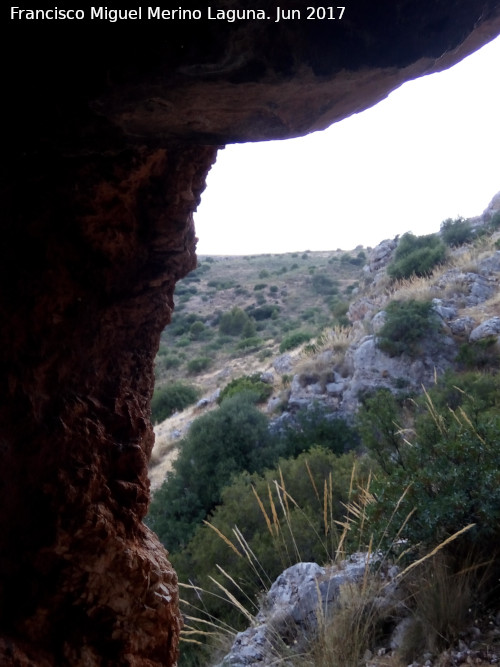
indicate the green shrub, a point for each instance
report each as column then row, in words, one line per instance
column 416, row 256
column 221, row 284
column 169, row 398
column 483, row 354
column 445, row 469
column 264, row 274
column 406, row 325
column 293, row 340
column 347, row 258
column 339, row 311
column 220, row 444
column 248, row 384
column 494, row 223
column 197, row 330
column 235, row 323
column 183, row 341
column 378, row 425
column 264, row 312
column 198, row 364
column 251, row 343
column 456, row 232
column 315, row 426
column 323, row 284
column 259, row 286
column 301, row 537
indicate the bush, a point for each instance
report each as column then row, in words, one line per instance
column 301, row 537
column 197, row 330
column 181, row 324
column 494, row 223
column 198, row 364
column 221, row 443
column 235, row 323
column 264, row 312
column 323, row 284
column 249, row 344
column 448, row 463
column 293, row 340
column 407, row 324
column 259, row 286
column 483, row 354
column 166, row 400
column 315, row 426
column 221, row 284
column 249, row 384
column 416, row 256
column 456, row 232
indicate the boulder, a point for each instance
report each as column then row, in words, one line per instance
column 486, row 329
column 290, row 610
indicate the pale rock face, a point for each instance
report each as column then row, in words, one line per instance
column 283, row 364
column 289, row 611
column 381, row 255
column 488, row 328
column 378, row 321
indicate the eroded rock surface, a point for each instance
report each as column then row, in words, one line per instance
column 110, row 132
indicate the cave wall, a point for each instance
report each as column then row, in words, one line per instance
column 108, row 140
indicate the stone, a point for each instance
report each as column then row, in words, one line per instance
column 486, row 329
column 283, row 364
column 335, row 388
column 267, row 377
column 462, row 326
column 445, row 312
column 378, row 321
column 381, row 255
column 289, row 611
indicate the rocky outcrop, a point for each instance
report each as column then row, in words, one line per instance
column 486, row 329
column 107, row 147
column 286, row 626
column 288, row 616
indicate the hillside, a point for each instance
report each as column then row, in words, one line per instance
column 327, row 307
column 350, row 402
column 283, row 295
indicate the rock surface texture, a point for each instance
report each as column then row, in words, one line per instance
column 110, row 132
column 289, row 613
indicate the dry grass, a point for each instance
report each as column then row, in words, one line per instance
column 420, row 289
column 353, row 629
column 438, row 599
column 327, row 353
column 485, row 310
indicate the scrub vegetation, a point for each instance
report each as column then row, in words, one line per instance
column 412, row 478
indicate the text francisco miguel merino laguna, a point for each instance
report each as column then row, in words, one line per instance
column 179, row 14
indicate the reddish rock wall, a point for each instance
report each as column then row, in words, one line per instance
column 95, row 248
column 107, row 144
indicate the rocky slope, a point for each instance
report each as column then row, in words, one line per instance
column 465, row 294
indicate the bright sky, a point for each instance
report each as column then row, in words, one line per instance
column 428, row 152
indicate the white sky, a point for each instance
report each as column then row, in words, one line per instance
column 430, row 151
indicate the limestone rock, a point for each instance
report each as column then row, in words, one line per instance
column 486, row 329
column 445, row 312
column 283, row 364
column 289, row 611
column 381, row 255
column 462, row 326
